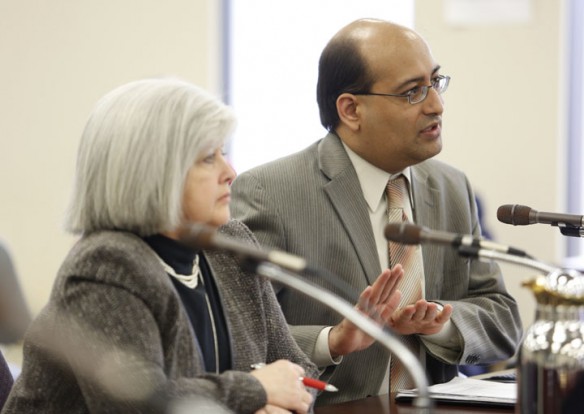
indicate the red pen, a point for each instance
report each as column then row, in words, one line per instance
column 318, row 384
column 309, row 382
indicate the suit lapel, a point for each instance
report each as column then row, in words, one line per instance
column 346, row 196
column 427, row 214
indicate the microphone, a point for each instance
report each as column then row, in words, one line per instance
column 276, row 266
column 519, row 215
column 407, row 233
column 202, row 237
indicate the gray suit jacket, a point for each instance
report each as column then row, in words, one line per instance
column 115, row 337
column 311, row 204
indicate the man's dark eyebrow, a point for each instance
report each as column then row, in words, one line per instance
column 418, row 79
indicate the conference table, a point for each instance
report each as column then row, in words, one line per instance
column 386, row 404
column 383, row 404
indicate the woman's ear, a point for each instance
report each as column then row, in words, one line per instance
column 348, row 110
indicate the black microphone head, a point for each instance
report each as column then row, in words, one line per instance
column 514, row 214
column 403, row 233
column 199, row 237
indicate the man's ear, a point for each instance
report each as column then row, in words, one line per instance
column 348, row 110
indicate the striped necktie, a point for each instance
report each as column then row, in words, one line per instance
column 412, row 284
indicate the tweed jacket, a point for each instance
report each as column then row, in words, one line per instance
column 115, row 338
column 311, row 204
column 5, row 380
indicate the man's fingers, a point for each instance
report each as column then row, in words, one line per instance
column 380, row 286
column 385, row 285
column 393, row 278
column 405, row 314
column 420, row 313
column 391, row 306
column 444, row 316
column 364, row 302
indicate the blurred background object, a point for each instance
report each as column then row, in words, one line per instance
column 6, row 381
column 14, row 312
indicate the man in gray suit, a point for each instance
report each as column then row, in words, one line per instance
column 379, row 95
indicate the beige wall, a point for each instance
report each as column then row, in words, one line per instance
column 503, row 125
column 504, row 121
column 57, row 58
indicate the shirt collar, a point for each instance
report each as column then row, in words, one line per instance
column 374, row 180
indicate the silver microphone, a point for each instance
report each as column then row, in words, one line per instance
column 518, row 215
column 203, row 237
column 408, row 233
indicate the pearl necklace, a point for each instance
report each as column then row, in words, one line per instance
column 191, row 280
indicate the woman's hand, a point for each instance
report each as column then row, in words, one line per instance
column 281, row 381
column 272, row 409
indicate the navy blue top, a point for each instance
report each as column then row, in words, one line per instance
column 181, row 259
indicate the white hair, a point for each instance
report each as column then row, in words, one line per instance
column 135, row 152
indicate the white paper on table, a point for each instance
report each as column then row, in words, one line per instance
column 471, row 390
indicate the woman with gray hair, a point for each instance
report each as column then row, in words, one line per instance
column 136, row 321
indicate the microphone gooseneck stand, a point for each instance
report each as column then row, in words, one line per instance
column 473, row 251
column 572, row 231
column 422, row 402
